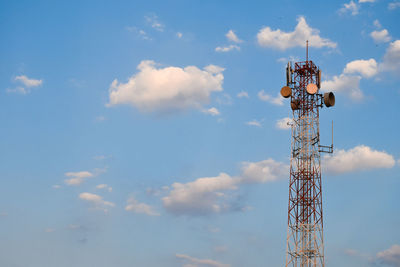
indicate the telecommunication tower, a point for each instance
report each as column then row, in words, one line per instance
column 305, row 242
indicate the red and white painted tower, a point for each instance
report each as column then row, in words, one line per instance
column 305, row 241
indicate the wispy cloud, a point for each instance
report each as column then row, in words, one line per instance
column 231, row 36
column 393, row 5
column 97, row 201
column 242, row 94
column 153, row 21
column 137, row 207
column 278, row 100
column 77, row 178
column 351, row 7
column 104, row 187
column 26, row 85
column 254, row 123
column 142, row 34
column 284, row 123
column 211, row 111
column 227, row 48
column 195, row 262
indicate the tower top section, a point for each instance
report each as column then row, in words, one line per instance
column 303, row 80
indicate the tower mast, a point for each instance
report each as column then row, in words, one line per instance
column 305, row 242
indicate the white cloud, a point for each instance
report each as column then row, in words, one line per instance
column 233, row 37
column 391, row 256
column 100, row 118
column 105, row 187
column 367, row 68
column 284, row 123
column 278, row 100
column 263, row 171
column 49, row 230
column 366, row 1
column 195, row 262
column 377, row 24
column 254, row 123
column 19, row 90
column 243, row 94
column 211, row 111
column 135, row 206
column 350, row 7
column 381, row 36
column 200, row 197
column 56, row 186
column 391, row 59
column 356, row 159
column 97, row 201
column 213, row 195
column 76, row 178
column 267, row 37
column 393, row 5
column 27, row 84
column 144, row 35
column 179, row 35
column 286, row 59
column 349, row 85
column 155, row 89
column 348, row 82
column 227, row 48
column 152, row 20
column 140, row 32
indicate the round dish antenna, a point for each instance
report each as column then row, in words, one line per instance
column 295, row 104
column 312, row 88
column 286, row 91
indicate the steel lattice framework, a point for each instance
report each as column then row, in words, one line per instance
column 305, row 242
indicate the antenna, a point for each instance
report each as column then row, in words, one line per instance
column 307, row 51
column 332, row 137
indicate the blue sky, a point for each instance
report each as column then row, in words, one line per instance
column 152, row 133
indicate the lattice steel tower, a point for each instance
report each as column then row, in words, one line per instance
column 305, row 242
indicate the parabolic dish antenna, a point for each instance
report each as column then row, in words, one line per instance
column 286, row 91
column 312, row 89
